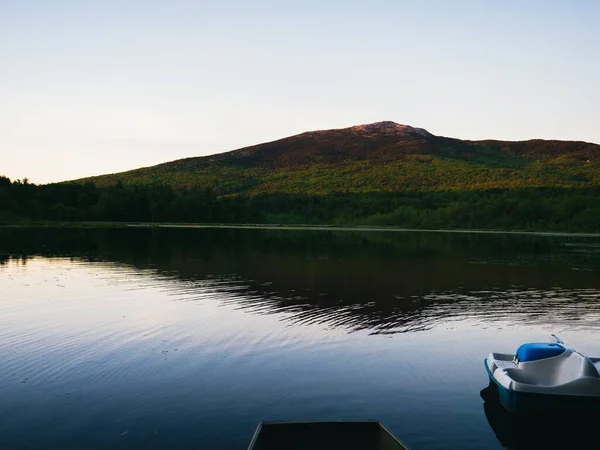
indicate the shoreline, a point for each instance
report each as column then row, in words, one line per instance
column 361, row 229
column 283, row 227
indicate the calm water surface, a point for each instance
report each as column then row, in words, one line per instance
column 186, row 339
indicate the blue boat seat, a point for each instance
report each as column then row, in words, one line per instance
column 535, row 351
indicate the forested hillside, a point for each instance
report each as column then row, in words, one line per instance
column 381, row 174
column 380, row 157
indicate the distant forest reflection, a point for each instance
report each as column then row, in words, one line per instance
column 381, row 282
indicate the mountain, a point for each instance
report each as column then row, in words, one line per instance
column 377, row 157
column 379, row 174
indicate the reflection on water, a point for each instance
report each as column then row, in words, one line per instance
column 183, row 338
column 380, row 282
column 556, row 431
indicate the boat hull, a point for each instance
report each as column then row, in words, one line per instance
column 531, row 431
column 517, row 402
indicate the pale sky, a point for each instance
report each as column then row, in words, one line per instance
column 93, row 87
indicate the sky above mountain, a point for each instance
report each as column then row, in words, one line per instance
column 89, row 87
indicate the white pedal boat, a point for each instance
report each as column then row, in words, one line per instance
column 545, row 377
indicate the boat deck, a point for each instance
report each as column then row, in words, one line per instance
column 324, row 436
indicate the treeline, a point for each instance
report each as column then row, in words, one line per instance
column 555, row 209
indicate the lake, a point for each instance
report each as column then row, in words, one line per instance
column 131, row 338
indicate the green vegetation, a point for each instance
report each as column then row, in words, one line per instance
column 381, row 174
column 415, row 172
column 380, row 157
column 552, row 209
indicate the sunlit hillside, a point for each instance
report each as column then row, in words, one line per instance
column 382, row 156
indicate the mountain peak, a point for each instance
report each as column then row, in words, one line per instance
column 389, row 127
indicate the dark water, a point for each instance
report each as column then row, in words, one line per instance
column 187, row 338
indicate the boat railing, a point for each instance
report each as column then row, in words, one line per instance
column 558, row 340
